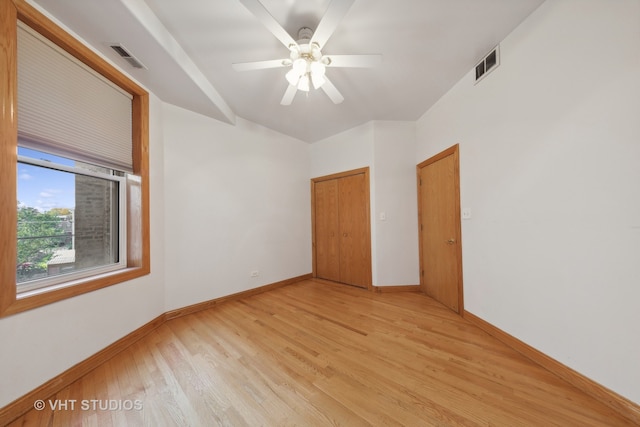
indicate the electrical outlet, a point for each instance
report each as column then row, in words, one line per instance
column 255, row 273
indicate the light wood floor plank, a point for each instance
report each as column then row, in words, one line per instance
column 320, row 354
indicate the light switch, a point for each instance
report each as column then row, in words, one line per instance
column 466, row 213
column 383, row 216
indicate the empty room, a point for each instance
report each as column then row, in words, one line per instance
column 320, row 212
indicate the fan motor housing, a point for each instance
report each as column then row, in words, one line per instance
column 304, row 35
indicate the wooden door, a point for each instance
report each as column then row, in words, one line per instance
column 327, row 230
column 341, row 228
column 439, row 214
column 353, row 213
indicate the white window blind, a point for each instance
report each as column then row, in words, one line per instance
column 68, row 109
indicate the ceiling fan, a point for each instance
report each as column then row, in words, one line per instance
column 308, row 63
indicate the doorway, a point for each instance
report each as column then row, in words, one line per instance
column 341, row 228
column 440, row 228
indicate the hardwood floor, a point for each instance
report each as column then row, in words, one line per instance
column 314, row 353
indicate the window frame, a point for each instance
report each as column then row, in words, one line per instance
column 137, row 184
column 71, row 278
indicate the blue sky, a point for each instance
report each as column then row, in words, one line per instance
column 43, row 188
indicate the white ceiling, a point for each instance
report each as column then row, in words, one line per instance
column 188, row 47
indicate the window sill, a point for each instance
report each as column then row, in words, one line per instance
column 39, row 297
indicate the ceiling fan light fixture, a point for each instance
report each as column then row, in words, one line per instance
column 316, row 54
column 307, row 63
column 317, row 81
column 317, row 68
column 300, row 66
column 303, row 84
column 293, row 77
column 294, row 52
column 298, row 69
column 317, row 71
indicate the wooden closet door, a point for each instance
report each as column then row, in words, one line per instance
column 327, row 230
column 355, row 263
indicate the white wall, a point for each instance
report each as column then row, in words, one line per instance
column 352, row 149
column 396, row 197
column 42, row 343
column 237, row 201
column 388, row 149
column 549, row 153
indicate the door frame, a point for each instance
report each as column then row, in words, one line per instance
column 455, row 152
column 365, row 171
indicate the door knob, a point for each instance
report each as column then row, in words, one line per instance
column 451, row 241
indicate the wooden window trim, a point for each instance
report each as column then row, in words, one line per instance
column 138, row 247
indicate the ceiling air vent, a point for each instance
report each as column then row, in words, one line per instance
column 124, row 53
column 488, row 64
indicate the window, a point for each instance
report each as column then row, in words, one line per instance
column 99, row 235
column 71, row 220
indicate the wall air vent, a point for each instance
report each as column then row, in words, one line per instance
column 124, row 53
column 488, row 64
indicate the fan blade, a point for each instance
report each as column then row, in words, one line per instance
column 331, row 91
column 335, row 12
column 261, row 65
column 354, row 61
column 289, row 94
column 269, row 22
